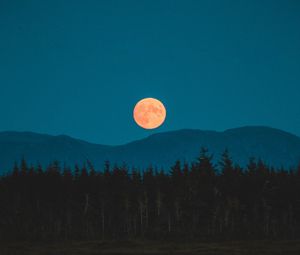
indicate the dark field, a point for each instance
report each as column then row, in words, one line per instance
column 153, row 248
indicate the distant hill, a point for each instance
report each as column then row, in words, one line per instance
column 275, row 147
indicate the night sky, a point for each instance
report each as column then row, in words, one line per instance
column 79, row 67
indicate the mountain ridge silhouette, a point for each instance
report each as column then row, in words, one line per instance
column 276, row 147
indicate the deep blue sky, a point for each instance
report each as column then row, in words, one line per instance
column 78, row 67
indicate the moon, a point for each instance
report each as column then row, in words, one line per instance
column 149, row 113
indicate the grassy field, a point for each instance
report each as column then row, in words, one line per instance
column 154, row 248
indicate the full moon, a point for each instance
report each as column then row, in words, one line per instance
column 149, row 113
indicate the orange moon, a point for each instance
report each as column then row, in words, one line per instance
column 149, row 113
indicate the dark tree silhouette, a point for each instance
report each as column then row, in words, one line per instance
column 200, row 201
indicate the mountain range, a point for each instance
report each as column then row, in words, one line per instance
column 276, row 147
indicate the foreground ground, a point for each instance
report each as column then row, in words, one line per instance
column 154, row 248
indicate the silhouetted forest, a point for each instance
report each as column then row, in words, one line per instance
column 200, row 201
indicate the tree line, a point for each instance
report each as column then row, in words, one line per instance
column 197, row 201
